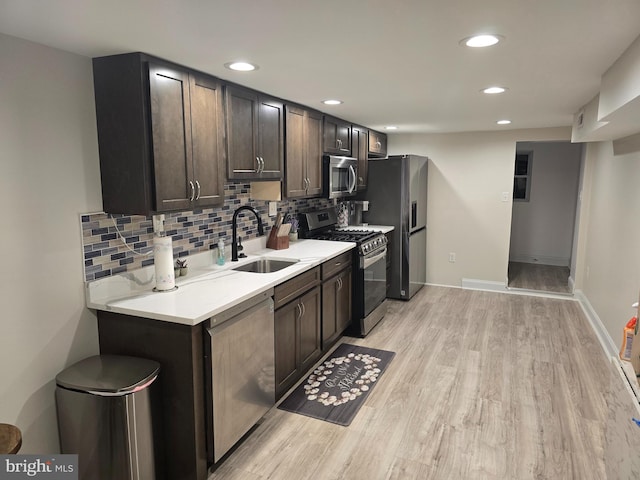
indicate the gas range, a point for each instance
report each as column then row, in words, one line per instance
column 369, row 241
column 369, row 273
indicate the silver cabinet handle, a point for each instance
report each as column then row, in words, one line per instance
column 378, row 144
column 339, row 143
column 258, row 162
column 304, row 309
column 197, row 190
column 339, row 283
column 193, row 191
column 261, row 164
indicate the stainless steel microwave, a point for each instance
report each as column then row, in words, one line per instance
column 340, row 176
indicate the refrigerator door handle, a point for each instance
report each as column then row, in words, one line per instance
column 354, row 178
column 414, row 214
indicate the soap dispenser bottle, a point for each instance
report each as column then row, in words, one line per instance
column 220, row 260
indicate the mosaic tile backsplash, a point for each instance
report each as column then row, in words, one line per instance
column 106, row 253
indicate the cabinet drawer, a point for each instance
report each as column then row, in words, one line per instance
column 287, row 291
column 331, row 267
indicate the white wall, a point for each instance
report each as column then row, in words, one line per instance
column 609, row 251
column 468, row 172
column 468, row 175
column 50, row 174
column 542, row 228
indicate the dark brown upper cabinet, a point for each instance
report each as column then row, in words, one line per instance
column 377, row 144
column 160, row 135
column 360, row 150
column 303, row 152
column 337, row 136
column 255, row 135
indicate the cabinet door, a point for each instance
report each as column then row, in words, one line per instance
column 377, row 144
column 286, row 350
column 313, row 154
column 295, row 179
column 336, row 307
column 329, row 326
column 309, row 329
column 360, row 149
column 343, row 301
column 303, row 152
column 337, row 136
column 242, row 121
column 171, row 137
column 207, row 138
column 271, row 138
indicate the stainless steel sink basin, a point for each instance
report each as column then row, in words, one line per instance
column 265, row 265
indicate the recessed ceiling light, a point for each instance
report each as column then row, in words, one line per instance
column 332, row 102
column 391, row 127
column 503, row 122
column 479, row 41
column 494, row 90
column 241, row 66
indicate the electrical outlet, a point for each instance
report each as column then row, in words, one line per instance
column 273, row 209
column 506, row 196
column 452, row 257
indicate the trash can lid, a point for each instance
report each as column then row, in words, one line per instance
column 109, row 375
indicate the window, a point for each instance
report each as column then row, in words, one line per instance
column 522, row 177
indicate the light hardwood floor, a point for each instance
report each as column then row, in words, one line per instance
column 532, row 276
column 484, row 385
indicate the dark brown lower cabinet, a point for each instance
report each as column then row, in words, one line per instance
column 179, row 350
column 297, row 339
column 336, row 307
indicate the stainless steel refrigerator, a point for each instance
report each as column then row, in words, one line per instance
column 397, row 194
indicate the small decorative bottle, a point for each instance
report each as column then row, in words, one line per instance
column 220, row 260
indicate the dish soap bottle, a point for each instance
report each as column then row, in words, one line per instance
column 220, row 252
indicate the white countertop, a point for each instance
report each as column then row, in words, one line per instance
column 208, row 289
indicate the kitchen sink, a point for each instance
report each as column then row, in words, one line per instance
column 265, row 265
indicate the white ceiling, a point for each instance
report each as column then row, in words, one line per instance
column 392, row 62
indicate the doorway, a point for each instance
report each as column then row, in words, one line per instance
column 543, row 221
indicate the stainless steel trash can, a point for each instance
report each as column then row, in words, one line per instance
column 105, row 406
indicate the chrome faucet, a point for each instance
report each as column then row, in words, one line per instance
column 234, row 228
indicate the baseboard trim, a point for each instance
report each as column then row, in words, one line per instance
column 606, row 342
column 474, row 284
column 540, row 259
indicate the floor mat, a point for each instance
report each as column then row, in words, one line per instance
column 337, row 388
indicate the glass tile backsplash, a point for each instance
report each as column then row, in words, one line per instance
column 118, row 243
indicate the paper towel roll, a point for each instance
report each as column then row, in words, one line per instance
column 163, row 262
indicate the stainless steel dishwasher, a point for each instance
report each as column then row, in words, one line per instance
column 242, row 369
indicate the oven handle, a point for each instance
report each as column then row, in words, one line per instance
column 352, row 172
column 368, row 261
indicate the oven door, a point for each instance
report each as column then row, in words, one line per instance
column 375, row 279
